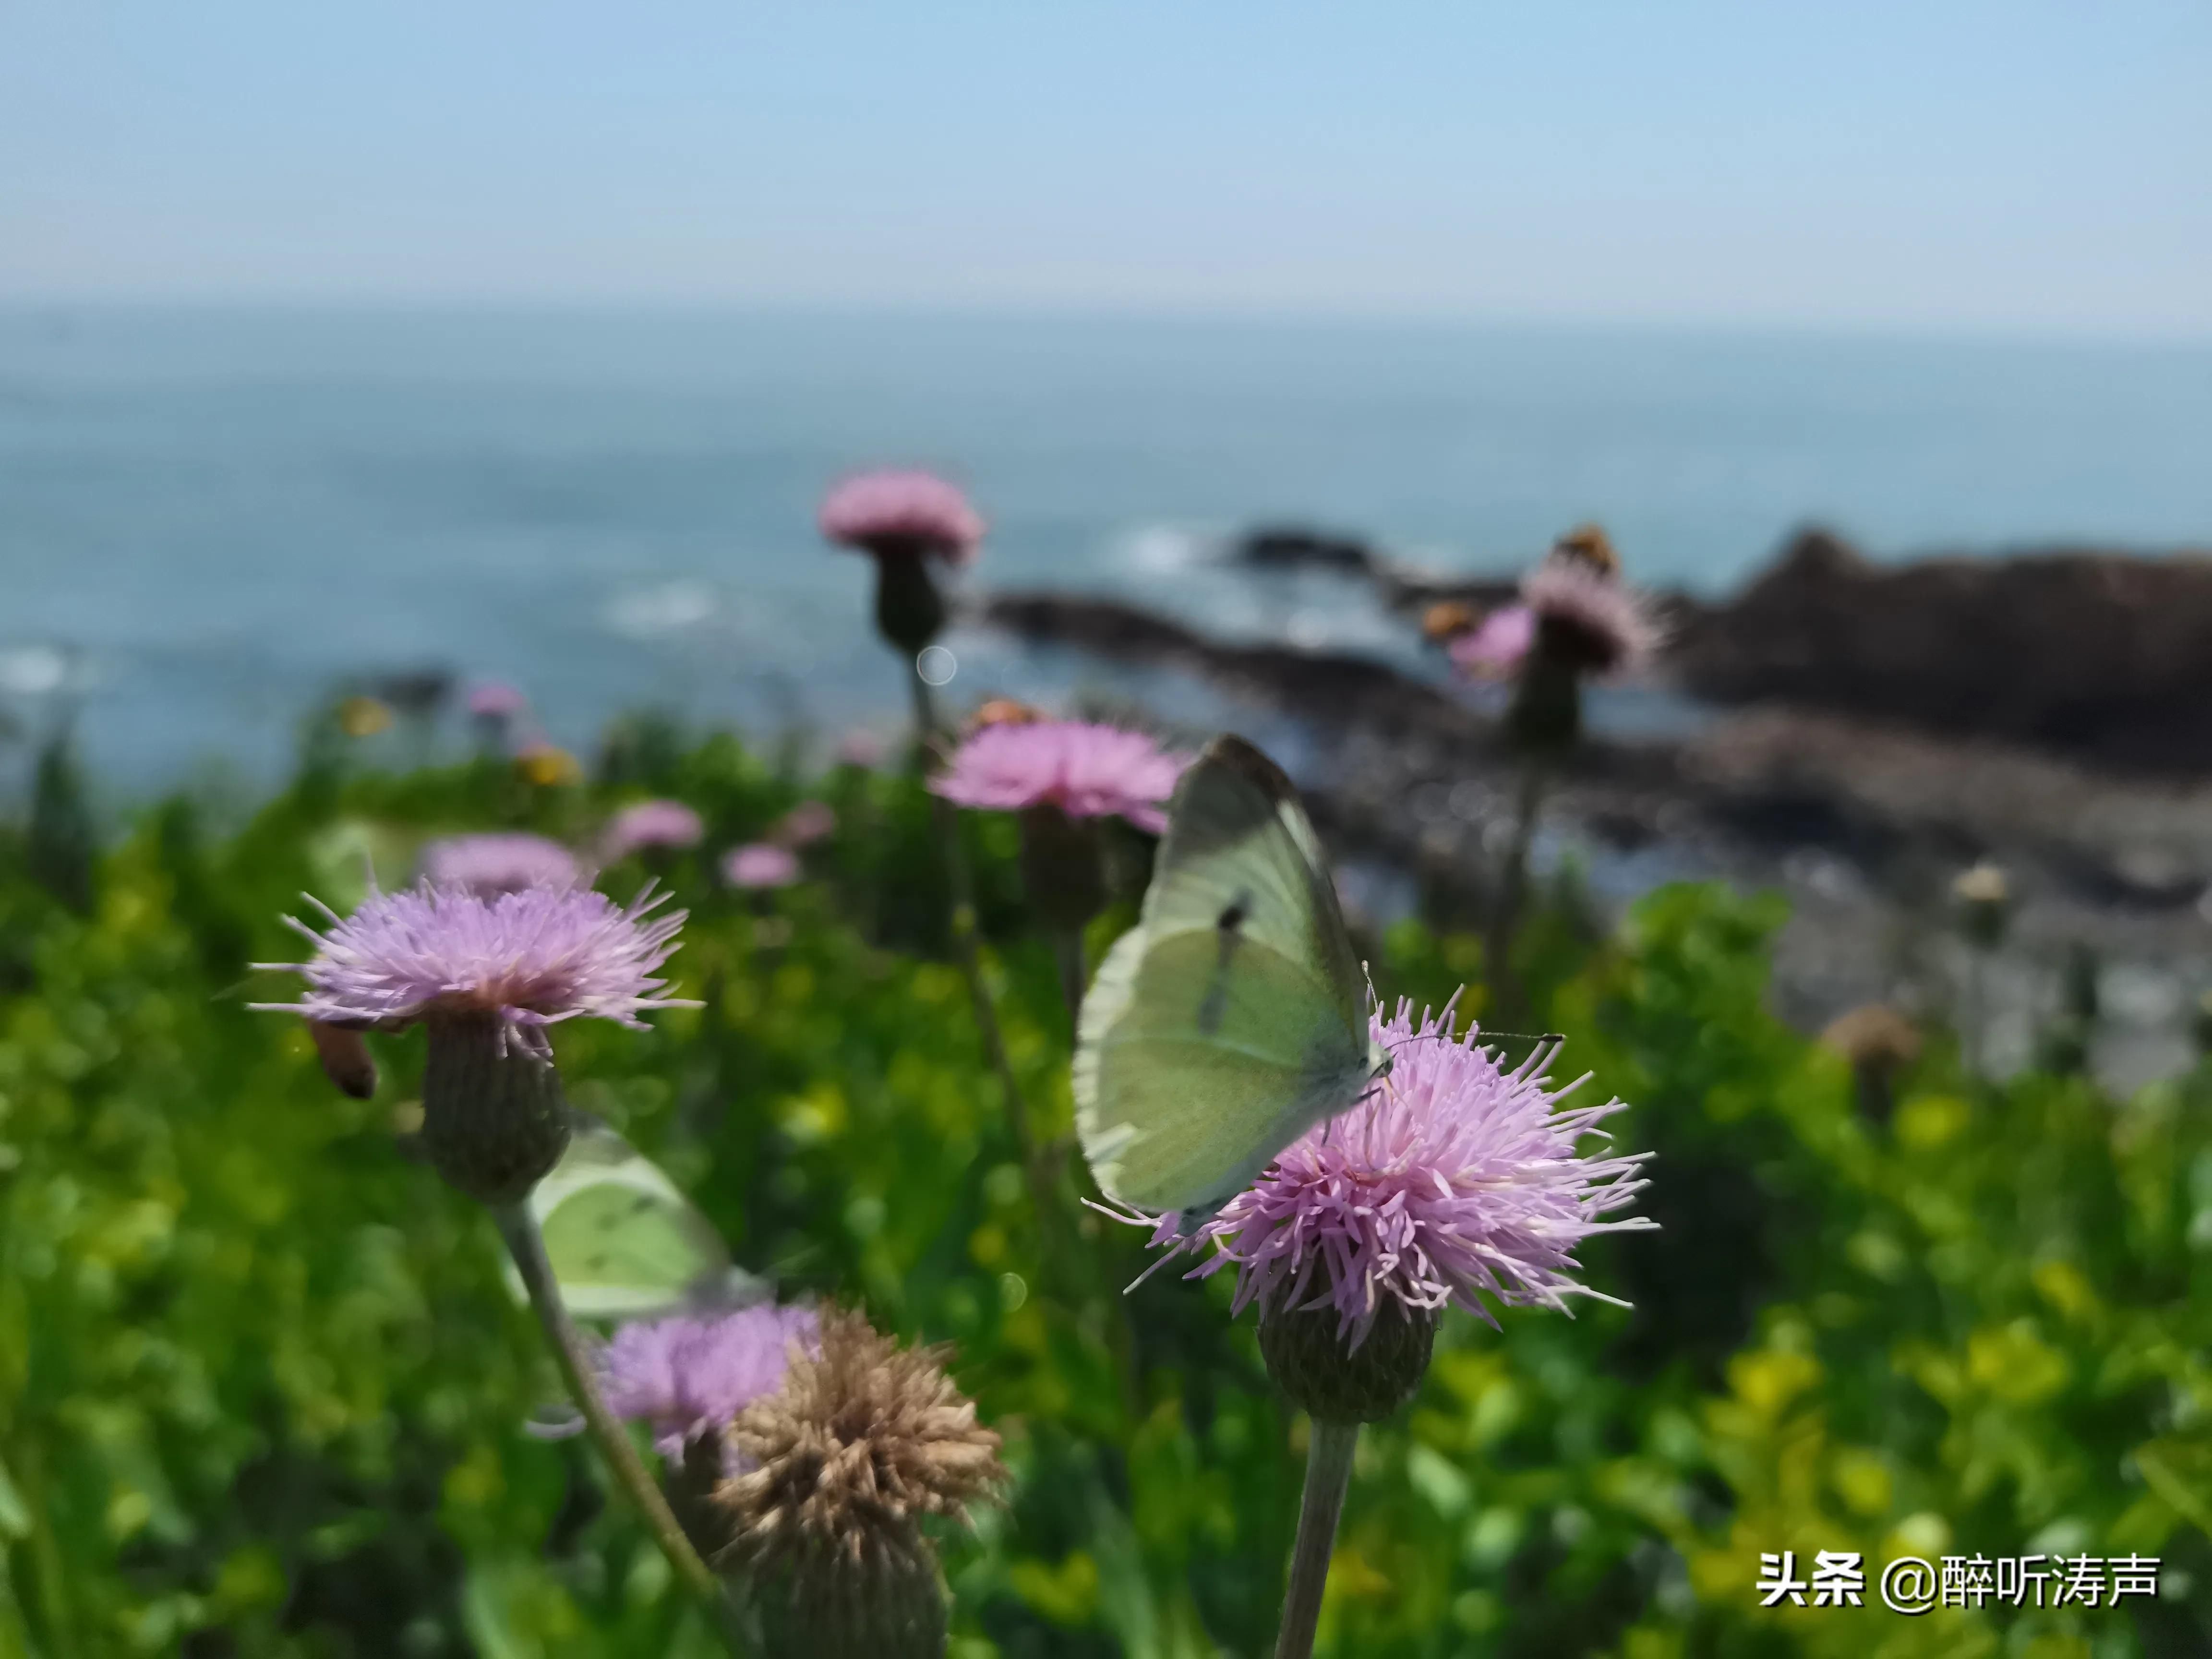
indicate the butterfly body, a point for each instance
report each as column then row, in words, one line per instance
column 1233, row 1016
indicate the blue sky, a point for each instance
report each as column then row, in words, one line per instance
column 2017, row 166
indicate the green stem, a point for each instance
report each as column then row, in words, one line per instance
column 1512, row 886
column 924, row 710
column 1971, row 1018
column 519, row 1228
column 1067, row 957
column 51, row 1575
column 1329, row 1477
column 967, row 950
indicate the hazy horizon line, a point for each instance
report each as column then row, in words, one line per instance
column 1194, row 313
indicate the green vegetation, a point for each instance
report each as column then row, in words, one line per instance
column 263, row 1390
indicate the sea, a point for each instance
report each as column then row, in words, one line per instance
column 211, row 518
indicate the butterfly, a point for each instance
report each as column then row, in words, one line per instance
column 624, row 1241
column 1233, row 1016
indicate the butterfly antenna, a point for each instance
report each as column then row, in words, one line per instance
column 1422, row 1037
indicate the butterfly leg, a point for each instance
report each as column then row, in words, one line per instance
column 1187, row 1222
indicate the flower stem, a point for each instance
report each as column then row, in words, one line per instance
column 519, row 1228
column 1067, row 956
column 925, row 709
column 967, row 951
column 1328, row 1476
column 1972, row 1020
column 1512, row 886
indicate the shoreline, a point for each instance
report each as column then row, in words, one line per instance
column 1861, row 821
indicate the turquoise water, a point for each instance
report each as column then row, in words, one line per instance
column 225, row 511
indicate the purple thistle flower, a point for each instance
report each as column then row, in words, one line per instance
column 1086, row 770
column 488, row 865
column 1589, row 615
column 760, row 864
column 495, row 700
column 804, row 824
column 894, row 511
column 668, row 823
column 687, row 1377
column 862, row 748
column 1493, row 649
column 1452, row 1178
column 531, row 960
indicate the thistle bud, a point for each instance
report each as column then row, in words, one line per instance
column 494, row 1120
column 1984, row 901
column 909, row 611
column 1546, row 712
column 1317, row 1364
column 842, row 1464
column 1060, row 867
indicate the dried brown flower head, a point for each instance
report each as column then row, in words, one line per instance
column 1447, row 619
column 1590, row 543
column 1003, row 711
column 1875, row 1035
column 841, row 1465
column 1879, row 1042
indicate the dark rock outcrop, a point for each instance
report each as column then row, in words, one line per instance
column 2103, row 655
column 1293, row 547
column 1403, row 586
column 1327, row 686
column 1862, row 822
column 1765, row 781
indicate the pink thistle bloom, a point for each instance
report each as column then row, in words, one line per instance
column 1602, row 625
column 760, row 864
column 689, row 1377
column 1492, row 650
column 496, row 699
column 488, row 865
column 1452, row 1178
column 903, row 512
column 653, row 823
column 861, row 747
column 804, row 824
column 1086, row 770
column 532, row 958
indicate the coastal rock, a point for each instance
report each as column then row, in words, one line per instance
column 1294, row 547
column 2103, row 655
column 1331, row 687
column 1402, row 586
column 1861, row 823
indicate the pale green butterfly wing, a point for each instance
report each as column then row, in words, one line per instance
column 1238, row 841
column 1232, row 1018
column 624, row 1241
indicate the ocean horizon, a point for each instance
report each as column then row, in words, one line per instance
column 208, row 516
